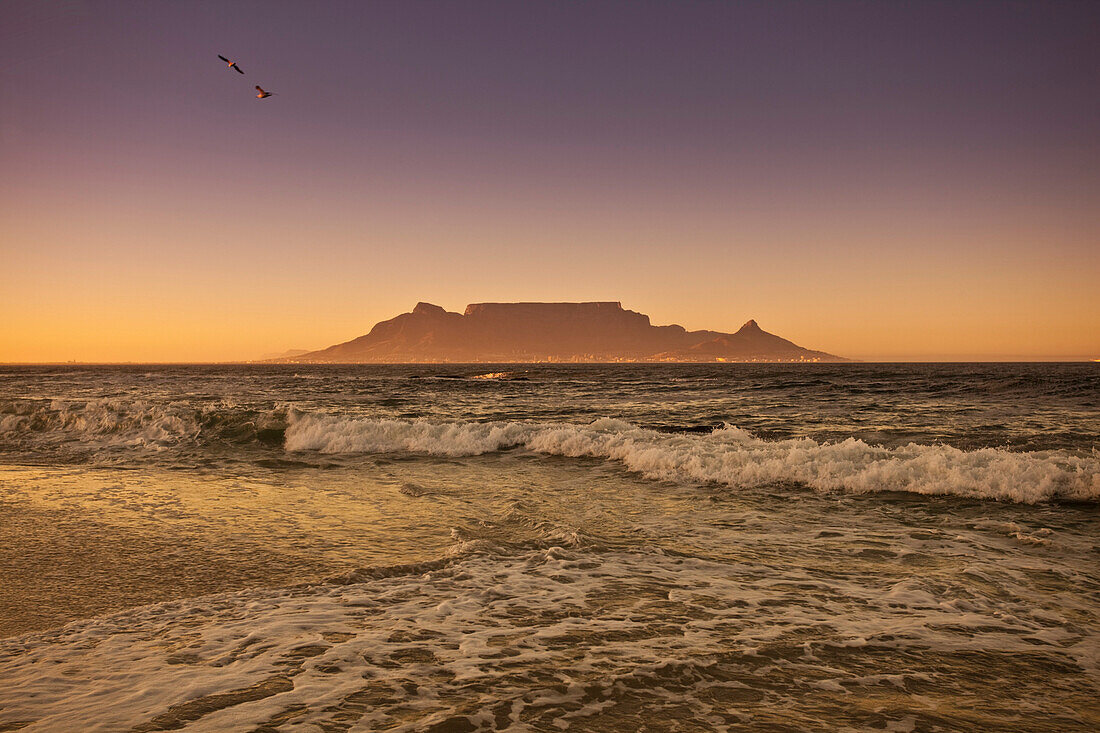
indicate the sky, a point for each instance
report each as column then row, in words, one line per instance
column 894, row 181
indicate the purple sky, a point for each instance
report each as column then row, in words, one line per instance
column 846, row 173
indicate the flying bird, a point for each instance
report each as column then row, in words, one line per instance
column 262, row 94
column 232, row 64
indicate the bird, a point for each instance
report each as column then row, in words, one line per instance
column 232, row 64
column 262, row 94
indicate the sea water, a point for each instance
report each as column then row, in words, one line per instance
column 550, row 547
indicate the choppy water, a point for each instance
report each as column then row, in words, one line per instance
column 673, row 547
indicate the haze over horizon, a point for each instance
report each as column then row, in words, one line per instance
column 882, row 182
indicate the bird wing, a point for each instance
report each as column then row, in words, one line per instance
column 258, row 89
column 238, row 69
column 223, row 58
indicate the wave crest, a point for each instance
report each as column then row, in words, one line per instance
column 729, row 456
column 128, row 423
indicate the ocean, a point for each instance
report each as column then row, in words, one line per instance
column 812, row 547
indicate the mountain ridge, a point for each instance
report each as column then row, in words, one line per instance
column 597, row 331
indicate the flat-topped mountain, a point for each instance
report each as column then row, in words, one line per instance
column 532, row 332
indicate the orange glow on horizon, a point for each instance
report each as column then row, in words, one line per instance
column 946, row 210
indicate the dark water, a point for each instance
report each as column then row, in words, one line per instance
column 672, row 547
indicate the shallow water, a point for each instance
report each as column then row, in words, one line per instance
column 810, row 547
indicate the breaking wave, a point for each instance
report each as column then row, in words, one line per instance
column 728, row 456
column 119, row 422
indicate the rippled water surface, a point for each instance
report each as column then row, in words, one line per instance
column 662, row 547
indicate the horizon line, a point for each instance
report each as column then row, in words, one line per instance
column 290, row 362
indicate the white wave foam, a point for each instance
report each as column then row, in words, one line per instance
column 729, row 456
column 329, row 434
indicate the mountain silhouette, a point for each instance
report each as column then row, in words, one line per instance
column 533, row 332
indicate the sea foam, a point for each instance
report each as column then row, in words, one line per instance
column 728, row 456
column 549, row 639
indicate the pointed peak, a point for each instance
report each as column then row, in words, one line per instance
column 427, row 309
column 750, row 325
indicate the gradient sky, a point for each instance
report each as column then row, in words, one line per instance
column 881, row 180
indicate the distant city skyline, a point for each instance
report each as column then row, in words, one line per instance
column 882, row 181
